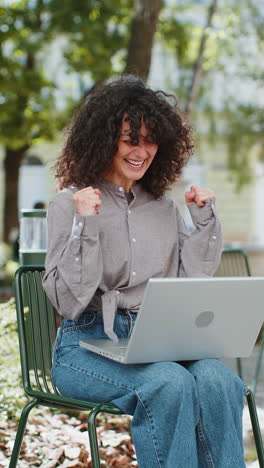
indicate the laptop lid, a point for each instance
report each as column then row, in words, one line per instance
column 197, row 318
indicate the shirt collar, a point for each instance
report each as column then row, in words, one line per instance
column 117, row 188
column 140, row 194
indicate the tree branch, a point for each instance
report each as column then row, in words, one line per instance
column 198, row 66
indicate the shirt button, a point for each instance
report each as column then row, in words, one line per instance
column 129, row 211
column 133, row 273
column 75, row 237
column 214, row 237
column 80, row 224
column 77, row 259
column 117, row 292
column 121, row 189
column 134, row 240
column 212, row 205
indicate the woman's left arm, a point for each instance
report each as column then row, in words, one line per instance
column 200, row 251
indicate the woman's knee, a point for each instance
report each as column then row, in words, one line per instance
column 170, row 390
column 214, row 375
column 170, row 376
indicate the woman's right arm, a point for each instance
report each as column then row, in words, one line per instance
column 73, row 261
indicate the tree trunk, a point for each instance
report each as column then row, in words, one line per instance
column 13, row 159
column 142, row 33
column 198, row 66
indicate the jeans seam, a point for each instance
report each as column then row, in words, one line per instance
column 99, row 377
column 204, row 445
column 151, row 426
column 94, row 375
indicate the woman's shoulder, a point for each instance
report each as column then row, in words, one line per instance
column 168, row 202
column 64, row 198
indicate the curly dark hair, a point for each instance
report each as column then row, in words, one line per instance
column 95, row 131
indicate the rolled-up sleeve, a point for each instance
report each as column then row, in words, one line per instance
column 74, row 260
column 200, row 251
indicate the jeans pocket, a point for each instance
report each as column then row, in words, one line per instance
column 82, row 324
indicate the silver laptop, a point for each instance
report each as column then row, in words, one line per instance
column 183, row 319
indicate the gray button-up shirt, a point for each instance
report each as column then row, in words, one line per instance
column 105, row 261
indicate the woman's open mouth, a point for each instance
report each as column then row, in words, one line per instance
column 135, row 164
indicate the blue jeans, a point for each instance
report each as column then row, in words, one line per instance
column 185, row 415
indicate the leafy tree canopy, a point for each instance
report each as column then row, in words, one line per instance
column 94, row 32
column 232, row 81
column 94, row 35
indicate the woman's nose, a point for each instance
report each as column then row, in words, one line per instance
column 141, row 147
column 141, row 151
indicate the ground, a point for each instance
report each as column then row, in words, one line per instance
column 54, row 439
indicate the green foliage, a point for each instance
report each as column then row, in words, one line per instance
column 234, row 49
column 12, row 397
column 246, row 127
column 27, row 94
column 243, row 131
column 99, row 30
column 7, row 265
column 175, row 34
column 94, row 33
column 5, row 253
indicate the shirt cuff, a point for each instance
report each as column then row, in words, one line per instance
column 202, row 214
column 84, row 226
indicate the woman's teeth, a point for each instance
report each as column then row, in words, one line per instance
column 135, row 163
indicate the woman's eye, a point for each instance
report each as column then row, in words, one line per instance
column 128, row 142
column 150, row 140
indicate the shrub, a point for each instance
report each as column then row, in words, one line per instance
column 12, row 397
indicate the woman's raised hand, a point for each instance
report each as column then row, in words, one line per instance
column 198, row 195
column 87, row 201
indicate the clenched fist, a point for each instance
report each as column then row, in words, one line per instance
column 87, row 201
column 198, row 195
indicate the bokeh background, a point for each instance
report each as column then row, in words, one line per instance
column 209, row 53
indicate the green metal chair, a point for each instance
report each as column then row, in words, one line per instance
column 36, row 319
column 234, row 262
column 37, row 331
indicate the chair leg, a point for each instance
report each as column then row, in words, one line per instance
column 258, row 365
column 20, row 432
column 239, row 368
column 93, row 436
column 255, row 426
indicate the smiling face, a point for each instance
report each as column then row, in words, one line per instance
column 131, row 161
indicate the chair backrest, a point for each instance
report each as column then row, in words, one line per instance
column 36, row 318
column 234, row 262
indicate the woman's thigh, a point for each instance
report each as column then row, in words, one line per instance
column 79, row 373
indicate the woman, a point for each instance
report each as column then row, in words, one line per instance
column 110, row 229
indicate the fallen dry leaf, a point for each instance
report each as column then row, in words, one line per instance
column 72, row 452
column 59, row 440
column 120, row 462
